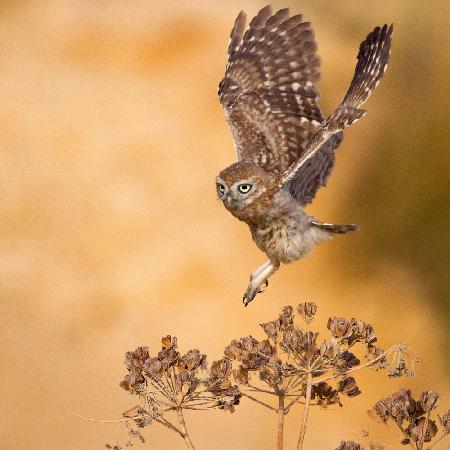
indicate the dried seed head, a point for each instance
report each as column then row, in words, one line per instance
column 429, row 400
column 349, row 445
column 325, row 395
column 380, row 411
column 241, row 375
column 363, row 332
column 135, row 363
column 445, row 421
column 220, row 370
column 229, row 398
column 270, row 328
column 345, row 361
column 136, row 360
column 251, row 353
column 374, row 352
column 418, row 432
column 193, row 360
column 219, row 385
column 398, row 407
column 348, row 387
column 155, row 368
column 339, row 327
column 329, row 349
column 307, row 311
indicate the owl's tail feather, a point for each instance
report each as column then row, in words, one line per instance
column 334, row 228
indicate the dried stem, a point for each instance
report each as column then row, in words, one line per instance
column 169, row 425
column 354, row 369
column 305, row 411
column 186, row 437
column 405, row 435
column 89, row 419
column 281, row 414
column 420, row 444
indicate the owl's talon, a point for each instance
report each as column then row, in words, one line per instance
column 252, row 292
column 262, row 288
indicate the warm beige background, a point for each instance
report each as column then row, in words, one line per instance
column 111, row 234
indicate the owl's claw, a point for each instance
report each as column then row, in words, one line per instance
column 253, row 291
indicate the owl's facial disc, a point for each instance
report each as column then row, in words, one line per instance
column 241, row 193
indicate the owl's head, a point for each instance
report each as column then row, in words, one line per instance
column 240, row 184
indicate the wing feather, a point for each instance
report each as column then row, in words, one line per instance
column 373, row 57
column 268, row 91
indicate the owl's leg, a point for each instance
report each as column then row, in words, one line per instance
column 260, row 269
column 254, row 288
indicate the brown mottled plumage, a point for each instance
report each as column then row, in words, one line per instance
column 285, row 147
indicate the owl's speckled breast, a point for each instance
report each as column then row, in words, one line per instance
column 289, row 238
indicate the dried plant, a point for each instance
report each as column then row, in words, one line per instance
column 349, row 445
column 413, row 418
column 171, row 382
column 292, row 365
column 289, row 365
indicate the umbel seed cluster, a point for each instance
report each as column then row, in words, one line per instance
column 289, row 366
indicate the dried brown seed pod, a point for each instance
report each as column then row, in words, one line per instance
column 348, row 387
column 418, row 432
column 429, row 400
column 307, row 311
column 350, row 445
column 339, row 327
column 445, row 421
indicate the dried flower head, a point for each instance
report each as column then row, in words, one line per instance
column 429, row 400
column 293, row 364
column 171, row 381
column 307, row 311
column 290, row 358
column 411, row 416
column 349, row 445
column 445, row 421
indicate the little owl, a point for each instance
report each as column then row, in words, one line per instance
column 285, row 147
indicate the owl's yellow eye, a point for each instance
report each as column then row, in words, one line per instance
column 244, row 188
column 220, row 188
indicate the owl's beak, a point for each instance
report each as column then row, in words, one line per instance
column 228, row 200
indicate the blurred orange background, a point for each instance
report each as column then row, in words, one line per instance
column 112, row 236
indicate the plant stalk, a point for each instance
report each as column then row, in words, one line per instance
column 305, row 411
column 422, row 439
column 281, row 414
column 186, row 437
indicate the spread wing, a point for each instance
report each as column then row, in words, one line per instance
column 268, row 92
column 373, row 57
column 315, row 172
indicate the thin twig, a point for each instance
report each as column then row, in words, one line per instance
column 168, row 425
column 258, row 401
column 256, row 388
column 89, row 419
column 305, row 411
column 367, row 364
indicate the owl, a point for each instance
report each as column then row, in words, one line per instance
column 285, row 147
